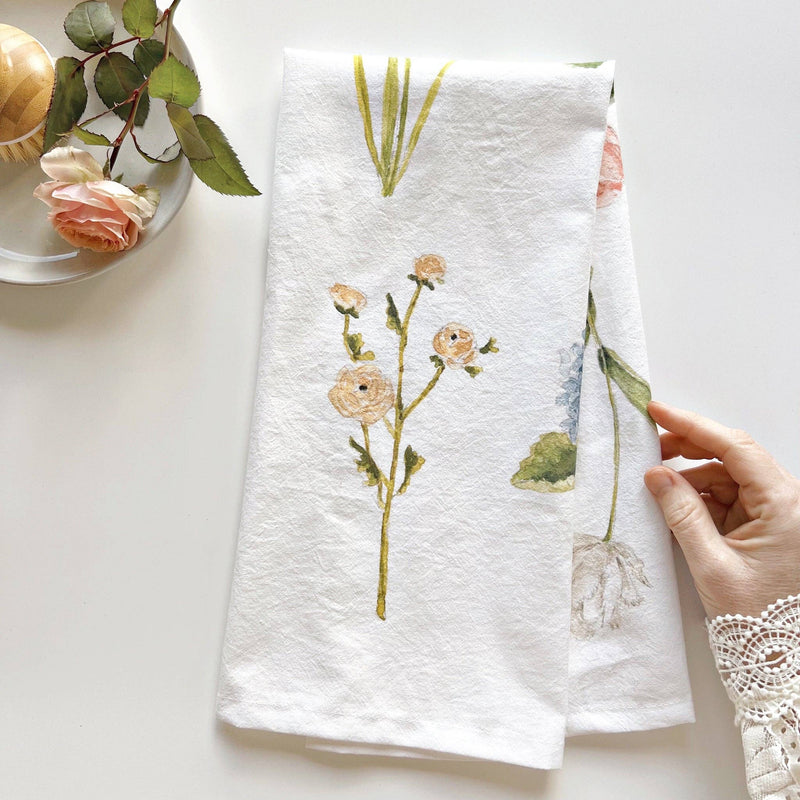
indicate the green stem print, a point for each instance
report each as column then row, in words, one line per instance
column 606, row 575
column 390, row 162
column 367, row 395
column 601, row 357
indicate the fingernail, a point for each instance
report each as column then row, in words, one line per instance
column 659, row 480
column 659, row 404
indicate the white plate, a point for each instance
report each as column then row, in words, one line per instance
column 31, row 252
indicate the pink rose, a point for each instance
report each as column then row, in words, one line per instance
column 611, row 175
column 86, row 209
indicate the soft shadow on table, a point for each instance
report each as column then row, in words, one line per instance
column 107, row 297
column 636, row 743
column 709, row 752
column 534, row 783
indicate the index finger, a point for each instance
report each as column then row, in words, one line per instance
column 746, row 461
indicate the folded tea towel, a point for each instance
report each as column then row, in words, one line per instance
column 439, row 555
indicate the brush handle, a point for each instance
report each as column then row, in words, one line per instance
column 26, row 84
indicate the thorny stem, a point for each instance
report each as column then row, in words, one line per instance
column 137, row 93
column 383, row 566
column 613, row 513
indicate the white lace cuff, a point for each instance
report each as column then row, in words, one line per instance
column 758, row 659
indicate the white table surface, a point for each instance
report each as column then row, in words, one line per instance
column 125, row 401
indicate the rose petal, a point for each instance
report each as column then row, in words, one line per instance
column 71, row 165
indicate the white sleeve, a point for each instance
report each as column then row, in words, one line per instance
column 758, row 659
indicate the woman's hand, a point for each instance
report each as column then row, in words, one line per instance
column 736, row 518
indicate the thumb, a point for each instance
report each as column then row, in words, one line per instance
column 686, row 515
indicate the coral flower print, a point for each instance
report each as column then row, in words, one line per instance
column 364, row 393
column 611, row 175
column 430, row 268
column 89, row 211
column 347, row 299
column 456, row 345
column 606, row 579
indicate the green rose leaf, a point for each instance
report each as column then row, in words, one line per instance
column 437, row 361
column 89, row 137
column 189, row 136
column 174, row 82
column 393, row 322
column 633, row 385
column 139, row 17
column 117, row 77
column 148, row 55
column 354, row 344
column 588, row 64
column 550, row 467
column 169, row 155
column 366, row 464
column 223, row 172
column 68, row 102
column 413, row 463
column 473, row 371
column 490, row 346
column 90, row 26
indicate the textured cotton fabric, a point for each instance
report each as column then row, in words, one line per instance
column 494, row 641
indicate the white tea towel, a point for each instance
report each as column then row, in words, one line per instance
column 439, row 556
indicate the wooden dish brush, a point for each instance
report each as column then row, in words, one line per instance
column 26, row 85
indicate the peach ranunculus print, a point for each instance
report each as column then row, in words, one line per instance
column 611, row 173
column 347, row 299
column 364, row 393
column 350, row 303
column 430, row 268
column 456, row 345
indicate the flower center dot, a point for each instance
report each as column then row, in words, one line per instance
column 362, row 387
column 453, row 337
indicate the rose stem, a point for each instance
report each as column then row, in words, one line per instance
column 613, row 402
column 424, row 393
column 168, row 14
column 125, row 131
column 383, row 568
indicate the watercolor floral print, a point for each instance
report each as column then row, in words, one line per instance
column 365, row 394
column 390, row 161
column 607, row 575
column 611, row 174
